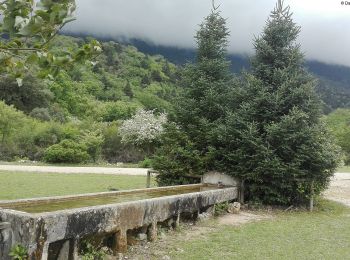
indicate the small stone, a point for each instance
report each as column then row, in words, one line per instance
column 142, row 236
column 105, row 249
column 166, row 257
column 162, row 235
column 203, row 216
column 234, row 208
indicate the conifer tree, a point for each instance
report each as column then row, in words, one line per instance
column 275, row 141
column 190, row 146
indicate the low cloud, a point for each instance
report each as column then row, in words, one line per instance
column 324, row 23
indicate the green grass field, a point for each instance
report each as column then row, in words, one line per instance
column 16, row 185
column 344, row 169
column 103, row 164
column 324, row 234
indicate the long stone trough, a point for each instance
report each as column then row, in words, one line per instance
column 53, row 228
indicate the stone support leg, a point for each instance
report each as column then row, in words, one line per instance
column 45, row 252
column 153, row 232
column 75, row 251
column 177, row 221
column 5, row 240
column 121, row 242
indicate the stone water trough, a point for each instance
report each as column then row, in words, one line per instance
column 53, row 228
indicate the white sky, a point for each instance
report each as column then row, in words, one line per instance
column 325, row 34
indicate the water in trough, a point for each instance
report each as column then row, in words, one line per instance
column 80, row 202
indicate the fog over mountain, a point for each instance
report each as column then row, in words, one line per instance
column 325, row 34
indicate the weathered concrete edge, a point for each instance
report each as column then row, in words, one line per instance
column 120, row 204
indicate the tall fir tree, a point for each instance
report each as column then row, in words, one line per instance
column 189, row 146
column 275, row 140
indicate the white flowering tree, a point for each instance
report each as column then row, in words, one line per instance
column 143, row 129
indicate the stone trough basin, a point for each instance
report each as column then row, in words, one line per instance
column 52, row 228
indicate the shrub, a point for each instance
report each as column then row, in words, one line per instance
column 119, row 110
column 90, row 252
column 41, row 114
column 146, row 163
column 67, row 151
column 221, row 208
column 115, row 151
column 19, row 252
column 93, row 141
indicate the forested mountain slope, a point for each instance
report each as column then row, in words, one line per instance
column 76, row 117
column 334, row 80
column 121, row 80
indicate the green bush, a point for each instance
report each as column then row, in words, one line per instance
column 146, row 163
column 67, row 151
column 221, row 208
column 93, row 141
column 19, row 252
column 90, row 252
column 119, row 110
column 113, row 150
column 41, row 113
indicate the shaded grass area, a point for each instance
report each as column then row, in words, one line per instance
column 324, row 234
column 18, row 185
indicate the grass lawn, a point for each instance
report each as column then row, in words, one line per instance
column 114, row 165
column 17, row 185
column 324, row 234
column 344, row 169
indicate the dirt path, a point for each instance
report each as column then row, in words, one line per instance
column 59, row 169
column 339, row 189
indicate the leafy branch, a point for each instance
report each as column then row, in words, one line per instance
column 28, row 27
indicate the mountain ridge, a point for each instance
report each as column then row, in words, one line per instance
column 334, row 79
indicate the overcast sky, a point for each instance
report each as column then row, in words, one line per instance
column 325, row 34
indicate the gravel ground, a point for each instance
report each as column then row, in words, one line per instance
column 339, row 189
